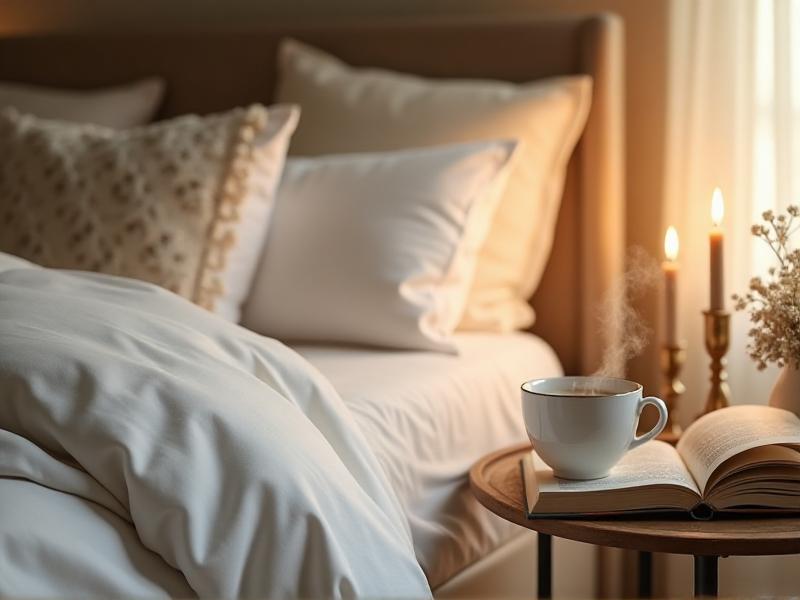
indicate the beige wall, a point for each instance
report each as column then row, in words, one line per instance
column 646, row 30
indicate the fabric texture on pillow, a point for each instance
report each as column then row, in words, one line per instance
column 377, row 249
column 181, row 203
column 118, row 107
column 357, row 110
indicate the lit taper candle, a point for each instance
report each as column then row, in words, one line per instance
column 716, row 240
column 670, row 267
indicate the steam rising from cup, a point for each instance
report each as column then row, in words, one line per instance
column 619, row 320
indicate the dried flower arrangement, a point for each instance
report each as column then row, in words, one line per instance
column 774, row 305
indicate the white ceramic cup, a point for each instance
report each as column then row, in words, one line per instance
column 582, row 426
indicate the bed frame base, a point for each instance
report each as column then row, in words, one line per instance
column 510, row 571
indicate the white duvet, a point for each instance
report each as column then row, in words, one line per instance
column 148, row 448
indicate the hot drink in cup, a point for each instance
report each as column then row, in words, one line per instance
column 582, row 426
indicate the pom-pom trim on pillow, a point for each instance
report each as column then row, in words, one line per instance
column 233, row 191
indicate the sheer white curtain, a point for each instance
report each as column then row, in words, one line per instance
column 733, row 122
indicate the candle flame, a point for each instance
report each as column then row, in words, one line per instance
column 671, row 244
column 717, row 207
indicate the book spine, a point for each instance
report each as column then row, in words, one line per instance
column 702, row 512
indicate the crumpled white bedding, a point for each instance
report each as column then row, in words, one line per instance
column 150, row 449
column 428, row 417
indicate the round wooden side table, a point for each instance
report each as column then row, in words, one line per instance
column 496, row 481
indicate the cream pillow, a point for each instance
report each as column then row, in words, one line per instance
column 181, row 203
column 377, row 249
column 118, row 107
column 356, row 110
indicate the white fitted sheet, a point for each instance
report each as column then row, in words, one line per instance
column 429, row 417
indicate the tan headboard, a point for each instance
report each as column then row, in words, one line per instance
column 209, row 71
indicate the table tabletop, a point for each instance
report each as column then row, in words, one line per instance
column 496, row 481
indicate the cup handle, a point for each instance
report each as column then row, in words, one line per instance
column 659, row 427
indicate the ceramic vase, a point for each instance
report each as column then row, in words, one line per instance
column 786, row 392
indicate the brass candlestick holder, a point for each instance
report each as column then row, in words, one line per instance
column 672, row 359
column 717, row 329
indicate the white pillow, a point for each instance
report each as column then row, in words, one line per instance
column 9, row 261
column 358, row 110
column 377, row 249
column 117, row 107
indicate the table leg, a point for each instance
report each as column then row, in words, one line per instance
column 645, row 575
column 545, row 566
column 705, row 576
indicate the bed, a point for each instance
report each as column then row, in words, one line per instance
column 424, row 415
column 427, row 416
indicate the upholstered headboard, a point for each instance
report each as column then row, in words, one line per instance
column 214, row 70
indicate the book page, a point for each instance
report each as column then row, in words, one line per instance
column 717, row 436
column 653, row 463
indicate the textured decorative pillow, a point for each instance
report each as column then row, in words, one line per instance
column 181, row 203
column 118, row 107
column 377, row 249
column 360, row 110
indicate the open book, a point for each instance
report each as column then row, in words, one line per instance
column 737, row 459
